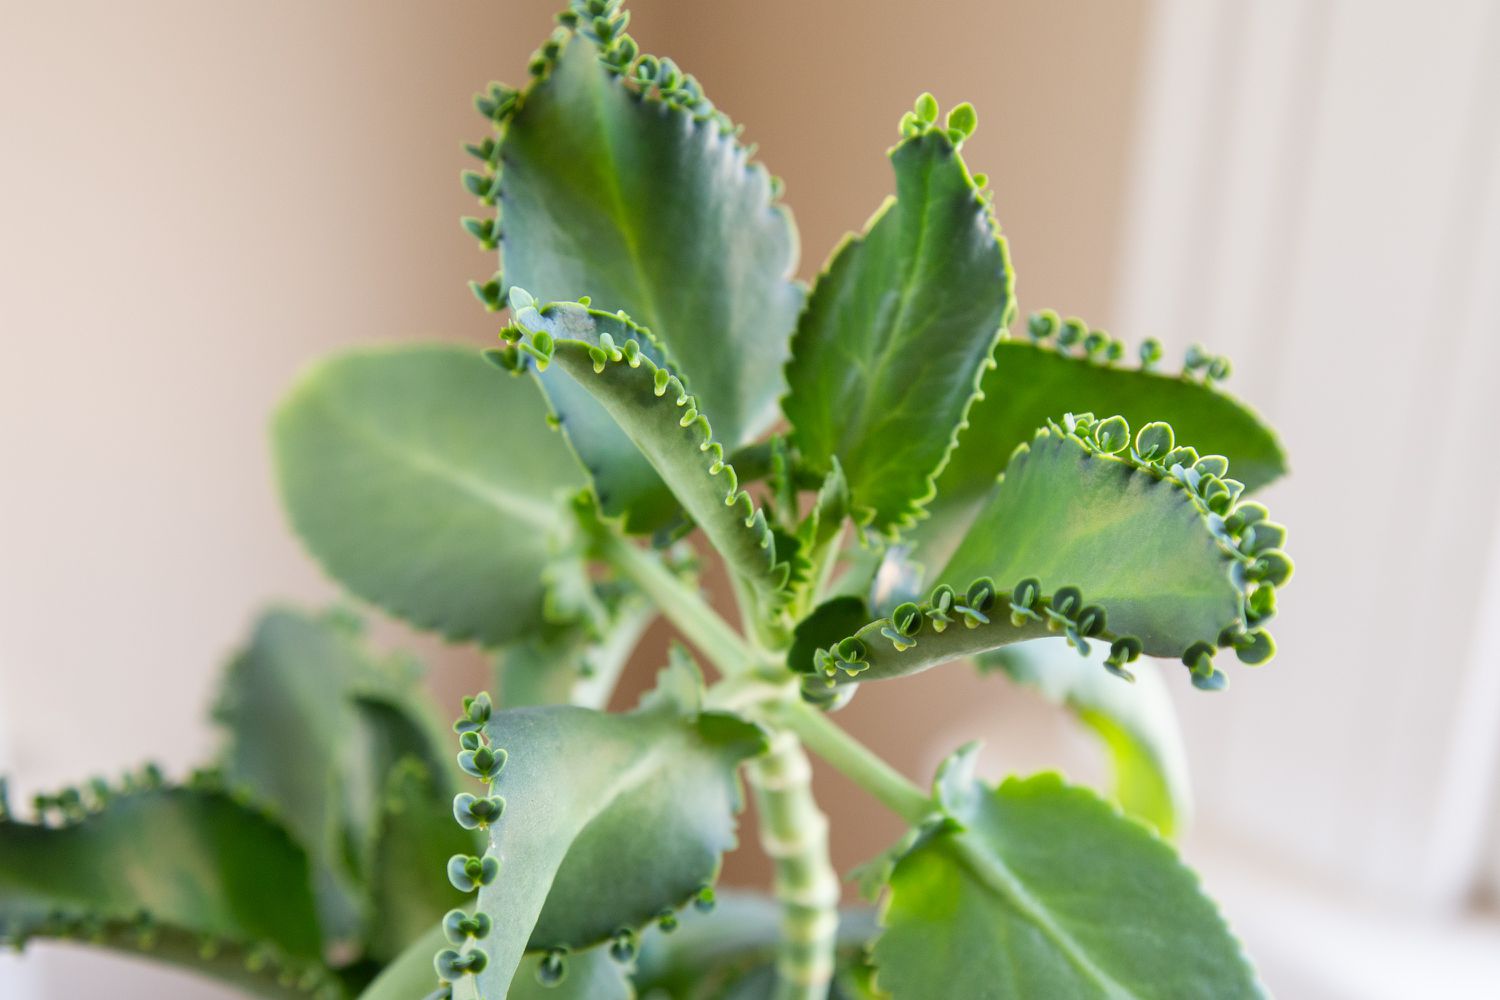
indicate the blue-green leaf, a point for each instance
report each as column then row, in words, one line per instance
column 426, row 482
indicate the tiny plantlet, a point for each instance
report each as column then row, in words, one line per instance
column 893, row 479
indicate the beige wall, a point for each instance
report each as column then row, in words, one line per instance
column 197, row 199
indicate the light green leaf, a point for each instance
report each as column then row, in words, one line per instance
column 426, row 482
column 1135, row 722
column 648, row 203
column 609, row 821
column 1034, row 382
column 1038, row 889
column 591, row 975
column 899, row 329
column 180, row 874
column 313, row 723
column 1087, row 537
column 612, row 358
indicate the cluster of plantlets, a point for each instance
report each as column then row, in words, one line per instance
column 891, row 481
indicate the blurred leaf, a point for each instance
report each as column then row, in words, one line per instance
column 426, row 482
column 415, row 838
column 1135, row 722
column 189, row 876
column 313, row 723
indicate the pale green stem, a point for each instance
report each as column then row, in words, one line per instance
column 608, row 658
column 794, row 833
column 854, row 760
column 828, row 559
column 682, row 605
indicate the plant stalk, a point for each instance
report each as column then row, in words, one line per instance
column 682, row 605
column 794, row 833
column 854, row 760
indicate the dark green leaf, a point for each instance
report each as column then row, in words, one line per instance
column 425, row 481
column 1038, row 889
column 897, row 333
column 649, row 206
column 829, row 622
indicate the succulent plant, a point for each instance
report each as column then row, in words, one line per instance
column 892, row 481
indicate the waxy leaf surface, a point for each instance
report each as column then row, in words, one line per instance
column 897, row 332
column 426, row 482
column 1038, row 889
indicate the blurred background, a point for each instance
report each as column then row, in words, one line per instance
column 198, row 199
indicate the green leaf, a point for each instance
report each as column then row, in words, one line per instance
column 426, row 482
column 313, row 724
column 591, row 975
column 609, row 821
column 1095, row 545
column 414, row 840
column 648, row 203
column 1135, row 722
column 898, row 331
column 1034, row 382
column 612, row 358
column 829, row 622
column 730, row 951
column 1038, row 889
column 188, row 876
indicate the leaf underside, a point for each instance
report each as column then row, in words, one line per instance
column 415, row 838
column 615, row 361
column 1133, row 534
column 426, row 484
column 888, row 354
column 643, row 205
column 1038, row 889
column 1034, row 382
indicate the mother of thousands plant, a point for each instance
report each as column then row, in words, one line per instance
column 891, row 481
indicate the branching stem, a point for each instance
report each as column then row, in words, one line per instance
column 854, row 760
column 682, row 605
